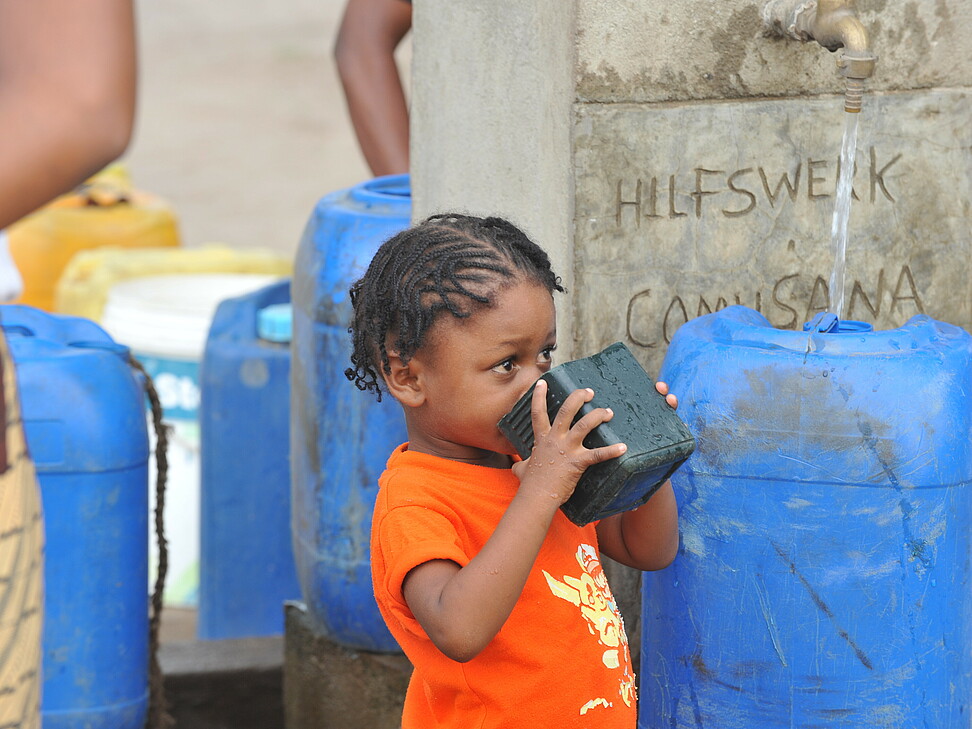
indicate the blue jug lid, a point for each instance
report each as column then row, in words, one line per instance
column 390, row 189
column 827, row 323
column 398, row 185
column 274, row 323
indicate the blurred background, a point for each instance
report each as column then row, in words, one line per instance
column 241, row 128
column 241, row 123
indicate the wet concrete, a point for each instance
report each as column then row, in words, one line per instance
column 220, row 684
column 327, row 686
column 300, row 680
column 224, row 684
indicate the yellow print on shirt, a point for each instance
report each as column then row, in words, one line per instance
column 590, row 592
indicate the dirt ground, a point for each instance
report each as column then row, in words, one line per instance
column 241, row 124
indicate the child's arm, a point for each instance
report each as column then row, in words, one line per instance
column 647, row 537
column 462, row 609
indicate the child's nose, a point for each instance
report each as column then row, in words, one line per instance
column 532, row 375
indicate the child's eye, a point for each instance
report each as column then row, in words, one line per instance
column 505, row 367
column 546, row 355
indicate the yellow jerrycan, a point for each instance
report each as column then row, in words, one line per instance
column 105, row 210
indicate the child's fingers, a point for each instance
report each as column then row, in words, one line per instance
column 670, row 398
column 606, row 453
column 538, row 408
column 591, row 420
column 572, row 405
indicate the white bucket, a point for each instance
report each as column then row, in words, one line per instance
column 165, row 321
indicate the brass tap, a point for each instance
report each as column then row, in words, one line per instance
column 833, row 24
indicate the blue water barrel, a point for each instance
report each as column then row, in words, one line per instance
column 84, row 420
column 341, row 437
column 246, row 562
column 823, row 574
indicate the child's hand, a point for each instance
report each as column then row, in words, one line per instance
column 559, row 457
column 662, row 388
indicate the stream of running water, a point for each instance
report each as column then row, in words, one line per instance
column 842, row 204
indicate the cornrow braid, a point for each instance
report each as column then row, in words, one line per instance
column 447, row 263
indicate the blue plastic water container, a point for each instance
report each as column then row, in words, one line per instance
column 246, row 561
column 84, row 420
column 823, row 574
column 341, row 437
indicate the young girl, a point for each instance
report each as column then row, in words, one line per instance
column 498, row 600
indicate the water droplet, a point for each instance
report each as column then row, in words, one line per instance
column 934, row 583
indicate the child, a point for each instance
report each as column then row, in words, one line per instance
column 497, row 598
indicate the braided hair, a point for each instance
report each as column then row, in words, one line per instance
column 447, row 263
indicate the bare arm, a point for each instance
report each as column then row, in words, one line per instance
column 365, row 53
column 462, row 609
column 67, row 95
column 647, row 537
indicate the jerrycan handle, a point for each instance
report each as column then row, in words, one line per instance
column 120, row 350
column 108, row 346
column 18, row 329
column 103, row 194
column 111, row 186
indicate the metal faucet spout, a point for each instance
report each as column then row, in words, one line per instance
column 833, row 24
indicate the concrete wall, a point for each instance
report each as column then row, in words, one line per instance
column 716, row 49
column 684, row 160
column 685, row 209
column 491, row 118
column 328, row 686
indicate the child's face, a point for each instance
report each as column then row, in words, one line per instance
column 475, row 369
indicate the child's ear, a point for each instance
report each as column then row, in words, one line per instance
column 403, row 381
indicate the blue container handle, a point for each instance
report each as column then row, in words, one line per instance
column 119, row 349
column 20, row 329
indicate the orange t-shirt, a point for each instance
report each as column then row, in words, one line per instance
column 561, row 659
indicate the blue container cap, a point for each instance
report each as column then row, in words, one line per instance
column 388, row 193
column 275, row 323
column 827, row 323
column 383, row 187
